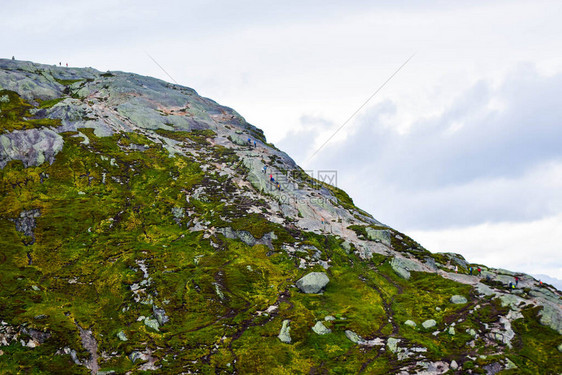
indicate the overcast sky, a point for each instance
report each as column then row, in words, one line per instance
column 461, row 149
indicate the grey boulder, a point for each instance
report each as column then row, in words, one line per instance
column 314, row 282
column 456, row 299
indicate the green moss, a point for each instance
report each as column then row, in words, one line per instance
column 15, row 114
column 196, row 136
column 67, row 82
column 535, row 345
column 49, row 103
column 107, row 209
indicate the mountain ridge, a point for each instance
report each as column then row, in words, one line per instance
column 130, row 167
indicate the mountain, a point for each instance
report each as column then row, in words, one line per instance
column 139, row 233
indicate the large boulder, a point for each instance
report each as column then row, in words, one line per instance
column 378, row 235
column 403, row 266
column 314, row 282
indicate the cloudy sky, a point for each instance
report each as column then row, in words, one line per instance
column 461, row 149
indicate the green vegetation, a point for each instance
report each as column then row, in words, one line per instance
column 535, row 345
column 128, row 235
column 15, row 114
column 49, row 103
column 67, row 82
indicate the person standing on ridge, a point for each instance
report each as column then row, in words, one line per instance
column 516, row 281
column 470, row 271
column 264, row 169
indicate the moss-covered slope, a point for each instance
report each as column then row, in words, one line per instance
column 139, row 233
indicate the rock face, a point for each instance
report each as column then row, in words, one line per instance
column 171, row 230
column 33, row 147
column 26, row 223
column 314, row 282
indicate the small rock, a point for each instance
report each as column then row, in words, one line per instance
column 321, row 329
column 121, row 336
column 429, row 323
column 151, row 323
column 454, row 365
column 136, row 355
column 410, row 323
column 314, row 282
column 353, row 337
column 456, row 299
column 471, row 332
column 284, row 334
column 160, row 315
column 329, row 318
column 35, row 287
column 509, row 365
column 438, row 308
column 392, row 344
column 451, row 331
column 560, row 348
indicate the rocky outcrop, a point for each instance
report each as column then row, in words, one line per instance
column 382, row 236
column 33, row 147
column 314, row 282
column 26, row 223
column 403, row 266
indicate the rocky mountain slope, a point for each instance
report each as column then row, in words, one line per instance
column 139, row 232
